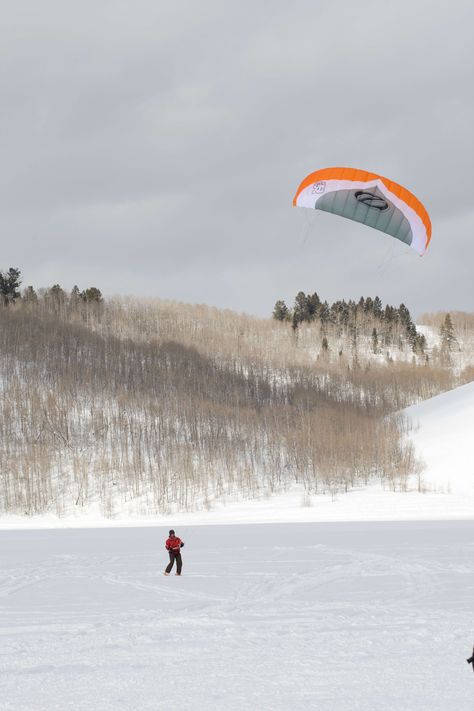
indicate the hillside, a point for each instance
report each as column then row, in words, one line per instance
column 443, row 439
column 149, row 407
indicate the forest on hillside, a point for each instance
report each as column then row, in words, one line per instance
column 161, row 406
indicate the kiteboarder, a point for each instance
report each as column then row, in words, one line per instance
column 173, row 545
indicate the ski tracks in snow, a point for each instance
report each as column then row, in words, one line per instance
column 353, row 617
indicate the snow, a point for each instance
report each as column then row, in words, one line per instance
column 431, row 335
column 374, row 503
column 444, row 439
column 358, row 603
column 345, row 616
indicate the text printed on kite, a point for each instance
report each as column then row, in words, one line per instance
column 370, row 199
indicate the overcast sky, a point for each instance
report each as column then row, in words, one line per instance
column 153, row 148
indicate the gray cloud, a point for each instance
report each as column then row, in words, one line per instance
column 154, row 148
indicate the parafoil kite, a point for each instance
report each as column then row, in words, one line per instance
column 368, row 198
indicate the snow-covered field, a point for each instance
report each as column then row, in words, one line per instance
column 346, row 616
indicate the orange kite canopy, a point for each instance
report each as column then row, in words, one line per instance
column 368, row 198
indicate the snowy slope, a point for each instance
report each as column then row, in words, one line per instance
column 444, row 440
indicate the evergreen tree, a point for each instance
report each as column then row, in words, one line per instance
column 9, row 286
column 369, row 305
column 280, row 311
column 375, row 341
column 420, row 345
column 377, row 308
column 313, row 303
column 404, row 315
column 448, row 339
column 389, row 314
column 335, row 312
column 324, row 316
column 324, row 313
column 294, row 321
column 344, row 313
column 412, row 335
column 92, row 294
column 301, row 311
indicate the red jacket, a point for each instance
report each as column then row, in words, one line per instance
column 174, row 544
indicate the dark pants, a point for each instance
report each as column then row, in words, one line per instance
column 179, row 563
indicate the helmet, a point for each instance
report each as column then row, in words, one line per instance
column 171, row 532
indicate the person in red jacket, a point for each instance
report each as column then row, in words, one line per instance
column 173, row 545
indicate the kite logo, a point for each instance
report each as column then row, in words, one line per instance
column 371, row 200
column 319, row 188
